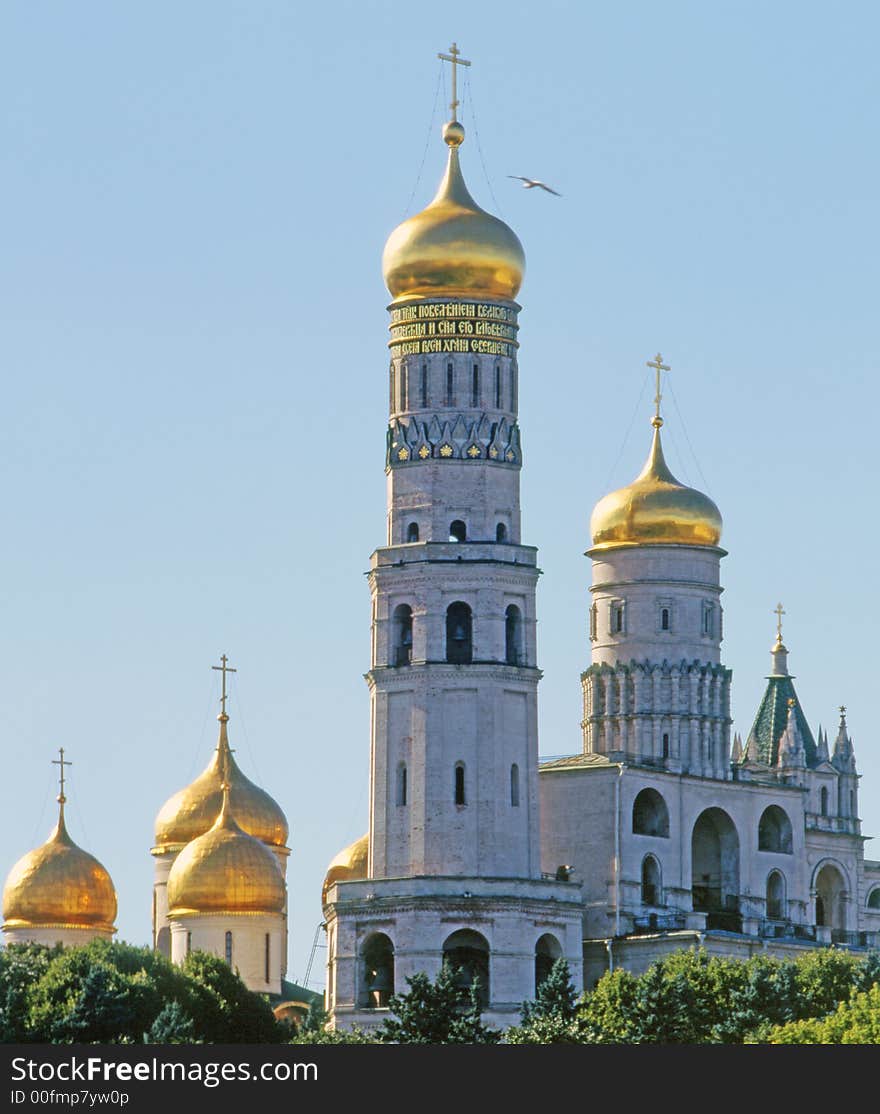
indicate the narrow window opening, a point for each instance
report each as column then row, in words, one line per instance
column 514, row 785
column 457, row 531
column 500, row 532
column 665, row 744
column 424, row 390
column 664, row 619
column 401, row 784
column 852, row 802
column 617, row 619
column 404, row 387
column 412, row 532
column 450, row 385
column 513, row 635
column 823, row 801
column 402, row 632
column 267, row 958
column 459, row 784
column 229, row 948
column 459, row 634
column 497, row 387
column 475, row 390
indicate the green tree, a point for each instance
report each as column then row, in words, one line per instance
column 552, row 1017
column 856, row 1021
column 173, row 1025
column 440, row 1012
column 21, row 966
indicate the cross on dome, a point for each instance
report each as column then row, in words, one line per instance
column 453, row 57
column 224, row 669
column 62, row 762
column 659, row 366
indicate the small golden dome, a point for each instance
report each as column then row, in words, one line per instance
column 655, row 509
column 453, row 247
column 350, row 865
column 225, row 871
column 59, row 884
column 192, row 811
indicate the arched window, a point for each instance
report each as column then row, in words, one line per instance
column 459, row 784
column 402, row 634
column 412, row 532
column 774, row 831
column 650, row 814
column 514, row 785
column 715, row 868
column 459, row 634
column 475, row 387
column 547, row 951
column 404, row 386
column 497, row 387
column 651, row 888
column 513, row 653
column 665, row 744
column 775, row 896
column 467, row 953
column 852, row 802
column 424, row 391
column 377, row 972
column 832, row 898
column 228, row 948
column 500, row 532
column 823, row 801
column 664, row 618
column 450, row 385
column 874, row 898
column 457, row 531
column 401, row 784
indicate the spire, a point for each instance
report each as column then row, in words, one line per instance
column 779, row 653
column 822, row 747
column 736, row 755
column 844, row 758
column 224, row 750
column 752, row 748
column 61, row 828
column 791, row 744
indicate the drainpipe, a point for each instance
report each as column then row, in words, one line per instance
column 608, row 947
column 620, row 769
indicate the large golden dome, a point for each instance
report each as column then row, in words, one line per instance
column 59, row 885
column 192, row 811
column 350, row 865
column 225, row 871
column 453, row 247
column 655, row 509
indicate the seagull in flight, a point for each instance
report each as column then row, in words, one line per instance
column 530, row 183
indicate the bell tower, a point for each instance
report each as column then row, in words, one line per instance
column 453, row 678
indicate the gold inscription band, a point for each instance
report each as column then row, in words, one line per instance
column 425, row 328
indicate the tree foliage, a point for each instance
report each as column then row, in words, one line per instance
column 439, row 1012
column 113, row 992
column 856, row 1021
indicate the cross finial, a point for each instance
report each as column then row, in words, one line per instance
column 62, row 762
column 778, row 612
column 659, row 366
column 842, row 710
column 453, row 57
column 224, row 669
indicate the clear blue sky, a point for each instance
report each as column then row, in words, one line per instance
column 195, row 199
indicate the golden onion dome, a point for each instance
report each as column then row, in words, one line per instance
column 58, row 885
column 350, row 865
column 192, row 811
column 453, row 247
column 225, row 871
column 655, row 509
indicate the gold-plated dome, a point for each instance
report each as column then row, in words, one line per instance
column 350, row 865
column 655, row 509
column 453, row 247
column 225, row 871
column 59, row 885
column 192, row 811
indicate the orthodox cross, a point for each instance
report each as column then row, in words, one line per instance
column 224, row 669
column 60, row 761
column 659, row 366
column 778, row 612
column 453, row 57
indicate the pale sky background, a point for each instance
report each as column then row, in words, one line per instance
column 195, row 198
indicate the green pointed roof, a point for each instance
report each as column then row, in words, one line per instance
column 773, row 713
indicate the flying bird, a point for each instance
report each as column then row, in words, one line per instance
column 530, row 183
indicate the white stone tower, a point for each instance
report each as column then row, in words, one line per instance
column 656, row 690
column 453, row 850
